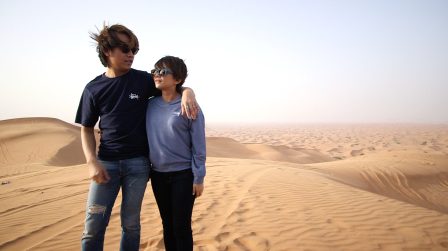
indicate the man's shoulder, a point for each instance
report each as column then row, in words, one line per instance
column 92, row 82
column 143, row 77
column 140, row 73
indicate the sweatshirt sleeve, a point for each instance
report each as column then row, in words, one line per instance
column 198, row 142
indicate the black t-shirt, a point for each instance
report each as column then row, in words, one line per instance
column 120, row 104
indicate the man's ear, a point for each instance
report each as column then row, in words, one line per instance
column 107, row 53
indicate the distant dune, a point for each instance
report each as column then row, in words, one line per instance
column 320, row 187
column 230, row 148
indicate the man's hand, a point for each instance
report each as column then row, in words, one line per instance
column 189, row 105
column 198, row 189
column 97, row 172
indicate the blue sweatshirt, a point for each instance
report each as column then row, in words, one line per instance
column 175, row 143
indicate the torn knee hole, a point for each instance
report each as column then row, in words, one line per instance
column 96, row 209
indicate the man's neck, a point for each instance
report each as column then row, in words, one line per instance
column 113, row 73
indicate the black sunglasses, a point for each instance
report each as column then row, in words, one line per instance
column 161, row 72
column 125, row 49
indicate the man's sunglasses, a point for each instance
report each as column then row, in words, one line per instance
column 161, row 72
column 125, row 49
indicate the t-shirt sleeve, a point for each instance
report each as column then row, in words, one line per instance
column 87, row 114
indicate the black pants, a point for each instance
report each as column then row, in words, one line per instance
column 173, row 193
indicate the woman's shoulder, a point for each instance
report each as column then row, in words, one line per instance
column 154, row 99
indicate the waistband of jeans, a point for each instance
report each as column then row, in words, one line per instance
column 174, row 173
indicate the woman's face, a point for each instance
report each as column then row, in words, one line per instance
column 164, row 79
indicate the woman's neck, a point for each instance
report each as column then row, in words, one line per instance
column 169, row 95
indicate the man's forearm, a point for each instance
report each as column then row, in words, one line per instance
column 88, row 143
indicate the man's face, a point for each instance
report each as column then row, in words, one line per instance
column 121, row 58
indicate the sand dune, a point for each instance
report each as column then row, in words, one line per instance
column 30, row 141
column 410, row 176
column 292, row 188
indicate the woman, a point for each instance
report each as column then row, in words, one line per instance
column 177, row 153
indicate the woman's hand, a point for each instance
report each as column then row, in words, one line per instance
column 198, row 189
column 189, row 105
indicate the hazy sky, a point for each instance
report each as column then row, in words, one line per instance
column 249, row 61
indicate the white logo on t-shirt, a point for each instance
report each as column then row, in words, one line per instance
column 133, row 96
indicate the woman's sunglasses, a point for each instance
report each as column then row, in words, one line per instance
column 161, row 72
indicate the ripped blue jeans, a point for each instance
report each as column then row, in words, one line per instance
column 132, row 176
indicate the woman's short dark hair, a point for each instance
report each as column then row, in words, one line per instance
column 107, row 39
column 177, row 66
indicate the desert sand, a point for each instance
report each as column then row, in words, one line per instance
column 290, row 187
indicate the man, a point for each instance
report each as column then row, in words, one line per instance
column 119, row 99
